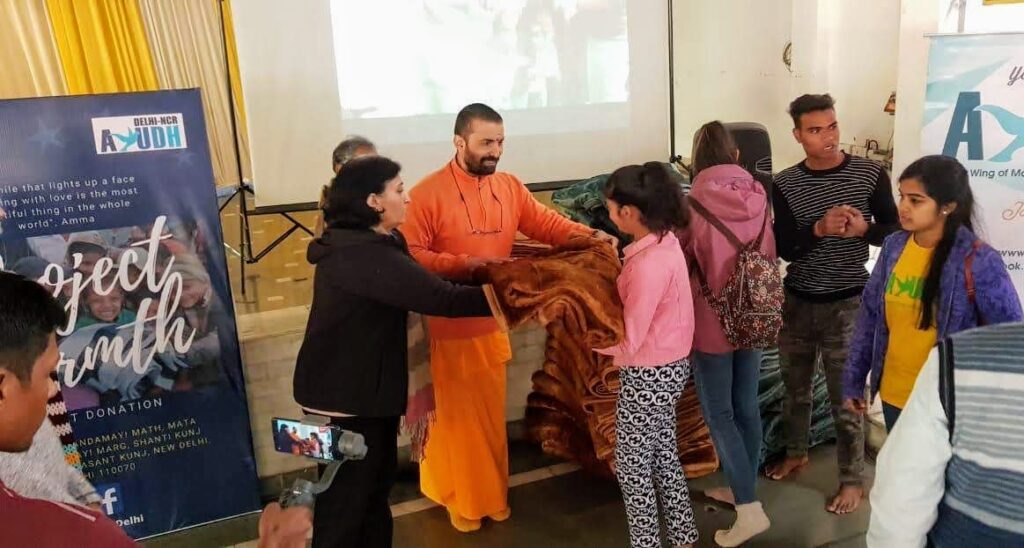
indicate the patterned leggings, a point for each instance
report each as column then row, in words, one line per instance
column 646, row 456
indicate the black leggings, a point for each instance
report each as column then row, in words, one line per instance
column 355, row 510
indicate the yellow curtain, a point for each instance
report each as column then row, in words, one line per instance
column 236, row 79
column 1004, row 2
column 103, row 46
column 28, row 52
column 188, row 52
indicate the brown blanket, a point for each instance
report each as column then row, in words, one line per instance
column 571, row 412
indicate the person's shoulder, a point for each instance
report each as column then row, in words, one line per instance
column 58, row 522
column 865, row 166
column 506, row 178
column 788, row 174
column 432, row 182
column 1009, row 332
column 899, row 237
column 663, row 253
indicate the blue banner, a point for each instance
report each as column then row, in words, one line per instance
column 110, row 203
column 974, row 111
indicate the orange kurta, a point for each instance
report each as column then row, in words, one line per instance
column 455, row 216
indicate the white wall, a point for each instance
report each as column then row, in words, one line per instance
column 862, row 58
column 917, row 18
column 729, row 67
column 728, row 60
column 994, row 18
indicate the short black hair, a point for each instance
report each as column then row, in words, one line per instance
column 652, row 190
column 346, row 150
column 28, row 316
column 809, row 103
column 346, row 205
column 475, row 111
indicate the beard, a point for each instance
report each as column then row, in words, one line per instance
column 480, row 166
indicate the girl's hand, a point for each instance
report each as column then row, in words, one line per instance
column 857, row 405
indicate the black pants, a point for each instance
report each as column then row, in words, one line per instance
column 355, row 510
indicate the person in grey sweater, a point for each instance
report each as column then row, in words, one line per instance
column 42, row 473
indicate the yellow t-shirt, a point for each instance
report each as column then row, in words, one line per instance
column 908, row 344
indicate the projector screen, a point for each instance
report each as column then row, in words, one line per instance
column 582, row 84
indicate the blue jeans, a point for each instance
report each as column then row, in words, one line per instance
column 727, row 385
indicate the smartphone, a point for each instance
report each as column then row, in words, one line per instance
column 306, row 440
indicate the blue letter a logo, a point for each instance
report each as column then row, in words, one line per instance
column 965, row 127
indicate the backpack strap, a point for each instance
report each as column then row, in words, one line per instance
column 716, row 222
column 947, row 392
column 969, row 278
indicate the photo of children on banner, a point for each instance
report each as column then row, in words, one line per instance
column 112, row 299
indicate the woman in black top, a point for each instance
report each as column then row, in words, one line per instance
column 352, row 364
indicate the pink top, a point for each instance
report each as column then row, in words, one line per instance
column 657, row 305
column 739, row 202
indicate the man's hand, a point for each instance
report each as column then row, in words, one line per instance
column 285, row 528
column 474, row 263
column 856, row 226
column 603, row 236
column 834, row 223
column 856, row 405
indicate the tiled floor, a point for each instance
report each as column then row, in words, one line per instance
column 557, row 506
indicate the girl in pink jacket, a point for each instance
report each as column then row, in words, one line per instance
column 727, row 377
column 658, row 311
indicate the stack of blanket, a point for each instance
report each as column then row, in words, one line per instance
column 571, row 412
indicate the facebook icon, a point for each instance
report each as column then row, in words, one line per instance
column 111, row 503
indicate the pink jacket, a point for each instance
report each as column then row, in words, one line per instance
column 657, row 304
column 730, row 193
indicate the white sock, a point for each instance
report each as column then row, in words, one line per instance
column 750, row 522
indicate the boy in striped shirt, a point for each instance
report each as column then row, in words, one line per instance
column 828, row 209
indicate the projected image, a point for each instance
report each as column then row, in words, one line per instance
column 401, row 58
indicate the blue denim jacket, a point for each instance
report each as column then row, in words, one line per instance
column 996, row 301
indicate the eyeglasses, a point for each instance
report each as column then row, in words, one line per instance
column 501, row 210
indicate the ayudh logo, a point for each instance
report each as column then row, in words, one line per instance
column 139, row 133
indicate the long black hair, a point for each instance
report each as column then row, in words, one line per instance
column 650, row 189
column 945, row 180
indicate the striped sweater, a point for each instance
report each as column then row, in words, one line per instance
column 830, row 269
column 985, row 476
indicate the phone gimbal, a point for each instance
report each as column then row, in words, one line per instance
column 350, row 445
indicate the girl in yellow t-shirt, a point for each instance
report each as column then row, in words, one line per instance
column 933, row 279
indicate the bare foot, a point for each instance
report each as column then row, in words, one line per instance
column 721, row 494
column 847, row 500
column 781, row 470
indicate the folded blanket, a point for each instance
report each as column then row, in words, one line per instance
column 571, row 292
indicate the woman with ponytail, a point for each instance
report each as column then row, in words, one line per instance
column 934, row 278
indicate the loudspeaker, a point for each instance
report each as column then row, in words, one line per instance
column 754, row 144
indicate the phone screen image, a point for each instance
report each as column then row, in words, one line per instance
column 306, row 440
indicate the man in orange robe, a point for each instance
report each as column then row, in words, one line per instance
column 463, row 216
